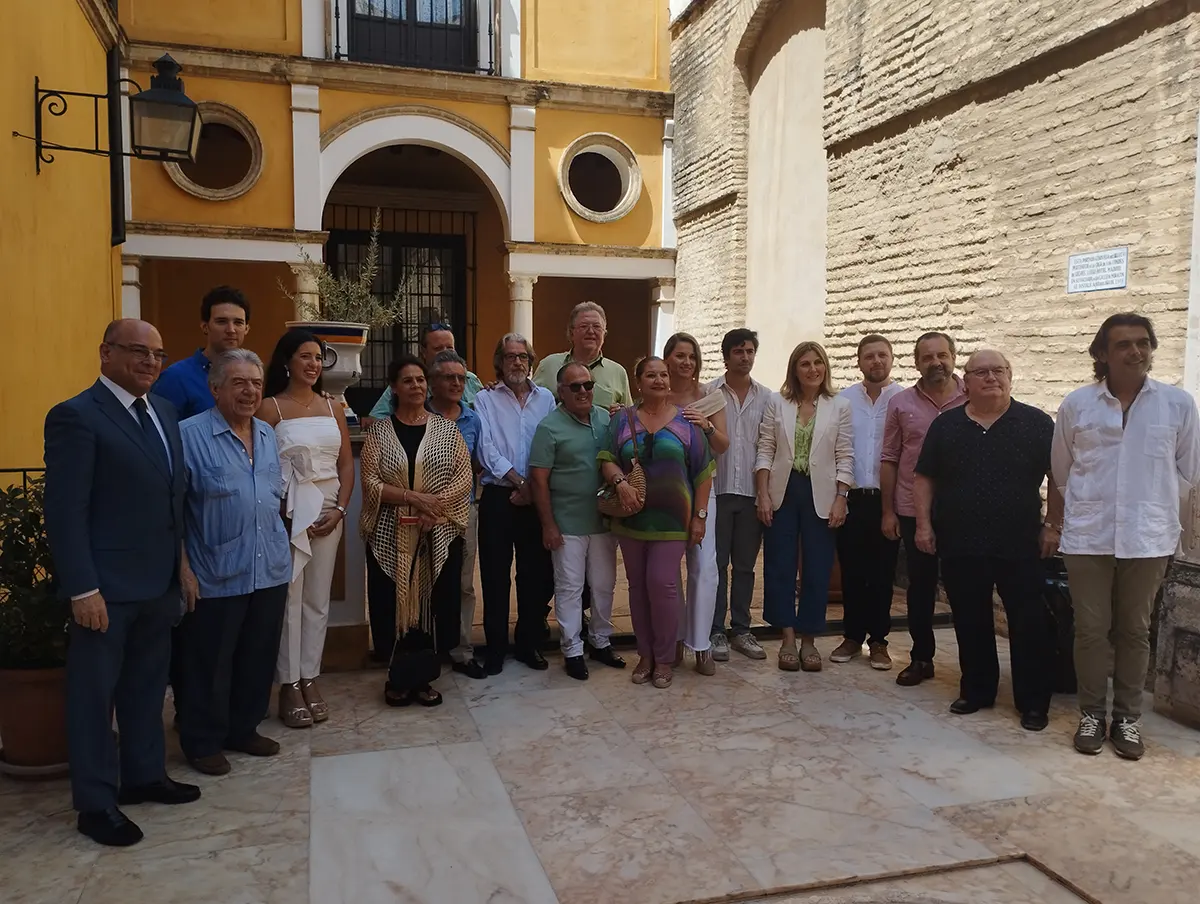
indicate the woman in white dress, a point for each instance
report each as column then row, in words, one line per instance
column 705, row 410
column 318, row 478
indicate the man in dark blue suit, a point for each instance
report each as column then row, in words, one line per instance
column 114, row 518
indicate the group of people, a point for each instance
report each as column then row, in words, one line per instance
column 196, row 535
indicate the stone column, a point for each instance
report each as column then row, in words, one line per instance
column 131, row 287
column 523, row 122
column 520, row 293
column 662, row 314
column 307, row 299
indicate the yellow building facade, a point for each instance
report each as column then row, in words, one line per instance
column 519, row 153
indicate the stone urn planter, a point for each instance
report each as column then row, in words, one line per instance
column 344, row 345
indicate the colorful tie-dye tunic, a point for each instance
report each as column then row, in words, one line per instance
column 676, row 460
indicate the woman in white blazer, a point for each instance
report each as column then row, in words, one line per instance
column 803, row 473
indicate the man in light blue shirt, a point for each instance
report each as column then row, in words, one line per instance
column 236, row 570
column 435, row 339
column 510, row 413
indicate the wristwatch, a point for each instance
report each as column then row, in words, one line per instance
column 845, row 494
column 702, row 514
column 617, row 481
column 342, row 509
column 712, row 428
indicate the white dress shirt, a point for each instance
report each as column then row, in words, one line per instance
column 508, row 428
column 1124, row 484
column 127, row 399
column 869, row 419
column 735, row 466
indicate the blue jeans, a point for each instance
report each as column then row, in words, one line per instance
column 796, row 527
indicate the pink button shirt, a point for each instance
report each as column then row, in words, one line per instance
column 909, row 415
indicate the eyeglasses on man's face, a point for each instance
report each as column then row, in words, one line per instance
column 513, row 357
column 585, row 386
column 984, row 372
column 141, row 352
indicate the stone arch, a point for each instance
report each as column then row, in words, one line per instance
column 360, row 134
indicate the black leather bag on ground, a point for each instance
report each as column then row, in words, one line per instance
column 1057, row 596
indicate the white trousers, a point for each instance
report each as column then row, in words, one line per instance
column 700, row 600
column 593, row 556
column 463, row 652
column 307, row 616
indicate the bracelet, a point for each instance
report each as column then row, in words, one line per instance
column 712, row 428
column 1057, row 528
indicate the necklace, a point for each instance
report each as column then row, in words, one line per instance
column 415, row 422
column 303, row 405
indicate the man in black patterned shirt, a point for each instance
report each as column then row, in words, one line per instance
column 979, row 507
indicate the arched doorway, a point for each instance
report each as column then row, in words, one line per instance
column 441, row 245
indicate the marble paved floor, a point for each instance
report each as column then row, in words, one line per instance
column 530, row 788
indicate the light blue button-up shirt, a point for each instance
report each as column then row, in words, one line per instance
column 508, row 428
column 234, row 534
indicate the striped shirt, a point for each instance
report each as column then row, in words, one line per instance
column 735, row 466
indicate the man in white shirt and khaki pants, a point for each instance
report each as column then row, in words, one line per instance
column 1126, row 453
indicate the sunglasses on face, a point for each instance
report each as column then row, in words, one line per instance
column 586, row 386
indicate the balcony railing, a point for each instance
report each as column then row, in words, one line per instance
column 451, row 35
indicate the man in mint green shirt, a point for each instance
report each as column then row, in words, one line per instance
column 564, row 479
column 586, row 329
column 435, row 339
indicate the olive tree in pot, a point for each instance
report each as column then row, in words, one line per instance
column 340, row 309
column 33, row 640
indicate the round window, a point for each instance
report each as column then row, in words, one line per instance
column 229, row 156
column 599, row 178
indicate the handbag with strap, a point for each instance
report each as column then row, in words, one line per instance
column 608, row 501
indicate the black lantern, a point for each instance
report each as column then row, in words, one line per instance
column 164, row 122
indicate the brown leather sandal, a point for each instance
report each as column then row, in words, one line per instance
column 316, row 704
column 641, row 673
column 810, row 658
column 293, row 712
column 789, row 660
column 663, row 676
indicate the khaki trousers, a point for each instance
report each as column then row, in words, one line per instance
column 1113, row 597
column 464, row 652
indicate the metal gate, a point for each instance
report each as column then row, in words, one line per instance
column 430, row 255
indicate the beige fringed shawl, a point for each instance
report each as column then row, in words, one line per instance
column 409, row 557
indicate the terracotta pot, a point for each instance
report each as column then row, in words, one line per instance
column 33, row 717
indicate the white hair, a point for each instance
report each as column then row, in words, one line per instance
column 225, row 360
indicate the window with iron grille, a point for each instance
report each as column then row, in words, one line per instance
column 430, row 34
column 431, row 261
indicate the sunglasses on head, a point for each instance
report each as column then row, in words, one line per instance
column 585, row 386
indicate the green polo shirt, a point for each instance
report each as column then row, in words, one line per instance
column 612, row 380
column 568, row 448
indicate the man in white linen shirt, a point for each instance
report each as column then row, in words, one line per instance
column 867, row 557
column 1126, row 452
column 739, row 532
column 509, row 414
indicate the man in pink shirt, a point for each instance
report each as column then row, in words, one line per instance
column 909, row 415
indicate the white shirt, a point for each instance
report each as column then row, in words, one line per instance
column 508, row 428
column 1124, row 485
column 868, row 419
column 735, row 466
column 127, row 399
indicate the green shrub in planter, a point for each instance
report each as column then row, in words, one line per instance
column 33, row 620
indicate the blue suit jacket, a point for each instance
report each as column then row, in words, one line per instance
column 114, row 513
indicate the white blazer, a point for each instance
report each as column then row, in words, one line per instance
column 830, row 461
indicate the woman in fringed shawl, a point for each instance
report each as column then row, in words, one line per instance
column 416, row 482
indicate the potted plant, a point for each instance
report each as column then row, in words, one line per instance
column 343, row 310
column 33, row 639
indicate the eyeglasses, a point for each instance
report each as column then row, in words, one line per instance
column 586, row 386
column 510, row 357
column 141, row 352
column 984, row 372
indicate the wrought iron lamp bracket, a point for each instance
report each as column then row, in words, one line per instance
column 54, row 102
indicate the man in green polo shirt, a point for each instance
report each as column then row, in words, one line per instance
column 565, row 479
column 586, row 330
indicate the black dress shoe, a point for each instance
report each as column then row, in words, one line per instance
column 1034, row 720
column 577, row 668
column 494, row 666
column 471, row 668
column 608, row 656
column 914, row 673
column 163, row 791
column 534, row 659
column 109, row 827
column 964, row 707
